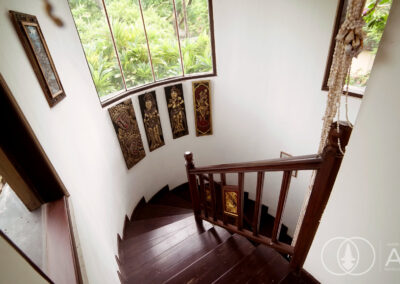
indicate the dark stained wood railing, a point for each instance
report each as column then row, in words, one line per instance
column 326, row 165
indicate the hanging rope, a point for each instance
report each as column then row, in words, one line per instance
column 349, row 43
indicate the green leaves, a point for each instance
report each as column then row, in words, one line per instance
column 128, row 31
column 375, row 23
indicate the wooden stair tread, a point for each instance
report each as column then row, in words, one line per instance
column 183, row 192
column 301, row 277
column 274, row 272
column 161, row 233
column 179, row 257
column 170, row 199
column 163, row 243
column 136, row 254
column 137, row 227
column 212, row 265
column 250, row 265
column 155, row 211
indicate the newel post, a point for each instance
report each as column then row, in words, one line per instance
column 332, row 158
column 192, row 183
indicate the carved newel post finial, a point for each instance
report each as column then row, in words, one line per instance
column 189, row 160
column 343, row 135
column 192, row 183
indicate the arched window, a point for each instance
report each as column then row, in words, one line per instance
column 132, row 45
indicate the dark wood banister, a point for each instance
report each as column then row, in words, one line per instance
column 326, row 165
column 307, row 162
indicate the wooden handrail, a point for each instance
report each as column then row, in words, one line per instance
column 307, row 162
column 326, row 165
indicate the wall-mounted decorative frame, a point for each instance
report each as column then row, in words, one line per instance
column 286, row 155
column 230, row 200
column 151, row 120
column 126, row 126
column 31, row 36
column 176, row 110
column 202, row 107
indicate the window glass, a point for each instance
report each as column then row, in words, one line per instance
column 130, row 39
column 160, row 25
column 97, row 43
column 133, row 43
column 375, row 24
column 194, row 31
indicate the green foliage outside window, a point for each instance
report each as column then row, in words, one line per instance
column 375, row 17
column 127, row 27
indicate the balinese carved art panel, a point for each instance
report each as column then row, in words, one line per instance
column 208, row 194
column 126, row 127
column 176, row 110
column 151, row 120
column 230, row 202
column 202, row 108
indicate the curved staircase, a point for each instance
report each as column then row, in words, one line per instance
column 163, row 243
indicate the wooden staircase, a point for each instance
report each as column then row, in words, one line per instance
column 163, row 243
column 209, row 231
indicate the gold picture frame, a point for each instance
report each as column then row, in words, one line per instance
column 202, row 107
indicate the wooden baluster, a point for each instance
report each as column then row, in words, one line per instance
column 240, row 200
column 258, row 203
column 223, row 183
column 192, row 183
column 281, row 205
column 223, row 179
column 213, row 195
column 323, row 183
column 203, row 195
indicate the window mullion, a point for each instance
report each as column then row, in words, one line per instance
column 114, row 45
column 147, row 40
column 179, row 40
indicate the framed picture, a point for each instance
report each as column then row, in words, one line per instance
column 35, row 46
column 125, row 124
column 176, row 110
column 151, row 120
column 286, row 155
column 202, row 107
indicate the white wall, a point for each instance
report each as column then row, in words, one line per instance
column 270, row 56
column 364, row 201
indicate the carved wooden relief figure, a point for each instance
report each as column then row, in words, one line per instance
column 202, row 108
column 176, row 110
column 126, row 127
column 230, row 201
column 151, row 120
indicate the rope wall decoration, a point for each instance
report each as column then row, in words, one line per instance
column 349, row 44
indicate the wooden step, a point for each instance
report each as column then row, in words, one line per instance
column 161, row 232
column 137, row 227
column 135, row 253
column 183, row 192
column 174, row 260
column 214, row 264
column 274, row 272
column 170, row 199
column 259, row 260
column 301, row 277
column 156, row 211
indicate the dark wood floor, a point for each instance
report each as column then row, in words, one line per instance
column 163, row 243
